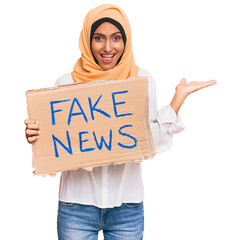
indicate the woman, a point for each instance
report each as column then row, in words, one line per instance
column 110, row 198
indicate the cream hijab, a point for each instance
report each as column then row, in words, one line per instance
column 86, row 69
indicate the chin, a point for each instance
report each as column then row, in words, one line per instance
column 106, row 67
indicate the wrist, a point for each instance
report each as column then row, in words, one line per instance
column 177, row 101
column 180, row 94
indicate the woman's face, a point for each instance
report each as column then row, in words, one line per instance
column 107, row 45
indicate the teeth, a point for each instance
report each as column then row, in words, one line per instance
column 108, row 56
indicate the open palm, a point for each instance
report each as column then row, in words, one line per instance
column 186, row 88
column 183, row 89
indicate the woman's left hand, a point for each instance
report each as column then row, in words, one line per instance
column 183, row 89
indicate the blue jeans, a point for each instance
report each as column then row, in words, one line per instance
column 83, row 222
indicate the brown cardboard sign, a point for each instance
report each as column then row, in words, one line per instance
column 91, row 124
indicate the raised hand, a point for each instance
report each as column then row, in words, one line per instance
column 183, row 89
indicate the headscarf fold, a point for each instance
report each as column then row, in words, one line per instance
column 86, row 69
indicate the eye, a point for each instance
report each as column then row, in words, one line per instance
column 116, row 38
column 98, row 38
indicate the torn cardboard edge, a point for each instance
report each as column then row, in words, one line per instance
column 89, row 169
column 100, row 83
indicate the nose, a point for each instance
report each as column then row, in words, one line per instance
column 107, row 47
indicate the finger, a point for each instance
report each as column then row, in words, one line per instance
column 183, row 81
column 212, row 82
column 30, row 132
column 28, row 121
column 32, row 139
column 207, row 83
column 33, row 126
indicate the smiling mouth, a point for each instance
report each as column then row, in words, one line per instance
column 107, row 58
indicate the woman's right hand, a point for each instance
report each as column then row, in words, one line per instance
column 32, row 130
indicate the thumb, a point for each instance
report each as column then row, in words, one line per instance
column 183, row 81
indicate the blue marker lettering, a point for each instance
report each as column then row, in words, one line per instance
column 68, row 149
column 54, row 111
column 127, row 135
column 119, row 103
column 78, row 113
column 81, row 143
column 100, row 145
column 93, row 108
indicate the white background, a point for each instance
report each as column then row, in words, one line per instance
column 192, row 192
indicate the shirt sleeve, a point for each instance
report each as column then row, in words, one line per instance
column 64, row 80
column 163, row 123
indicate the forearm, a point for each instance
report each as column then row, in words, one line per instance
column 177, row 101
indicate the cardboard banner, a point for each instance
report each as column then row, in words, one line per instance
column 90, row 124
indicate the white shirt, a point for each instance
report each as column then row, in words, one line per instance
column 111, row 185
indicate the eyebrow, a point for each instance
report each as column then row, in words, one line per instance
column 104, row 35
